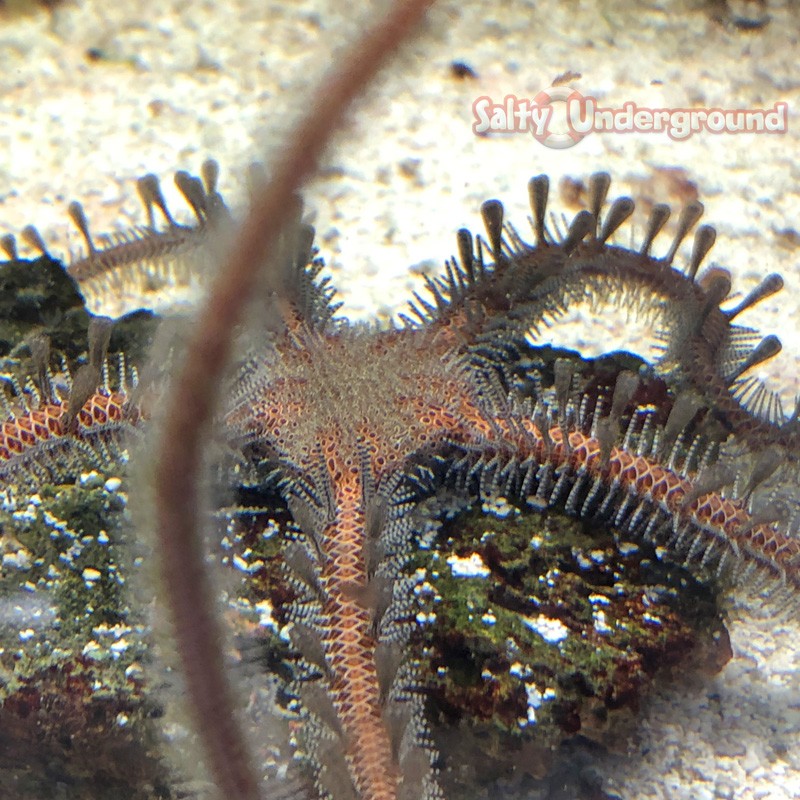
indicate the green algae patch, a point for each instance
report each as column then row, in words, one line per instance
column 71, row 535
column 540, row 629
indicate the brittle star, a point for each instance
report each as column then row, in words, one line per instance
column 360, row 423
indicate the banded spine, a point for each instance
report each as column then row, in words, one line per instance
column 56, row 428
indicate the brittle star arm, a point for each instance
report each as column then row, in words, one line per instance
column 704, row 524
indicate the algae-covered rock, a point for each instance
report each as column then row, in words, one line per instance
column 540, row 629
column 75, row 719
column 40, row 298
column 534, row 630
column 82, row 684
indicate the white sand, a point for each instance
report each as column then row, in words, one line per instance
column 198, row 79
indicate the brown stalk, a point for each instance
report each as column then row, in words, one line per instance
column 191, row 403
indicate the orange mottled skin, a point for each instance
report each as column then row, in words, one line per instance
column 22, row 433
column 348, row 642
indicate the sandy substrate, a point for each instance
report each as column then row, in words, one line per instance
column 95, row 94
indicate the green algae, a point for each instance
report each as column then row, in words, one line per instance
column 72, row 534
column 80, row 716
